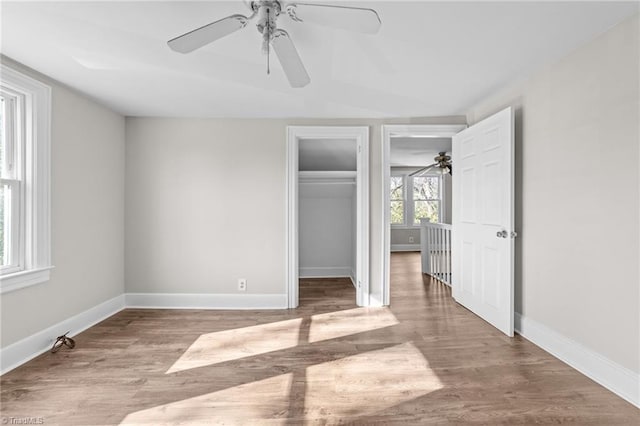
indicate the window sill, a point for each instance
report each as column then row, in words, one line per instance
column 405, row 226
column 22, row 279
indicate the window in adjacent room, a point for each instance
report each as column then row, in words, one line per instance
column 415, row 198
column 397, row 200
column 426, row 198
column 24, row 180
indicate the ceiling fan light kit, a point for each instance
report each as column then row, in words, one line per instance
column 442, row 166
column 267, row 12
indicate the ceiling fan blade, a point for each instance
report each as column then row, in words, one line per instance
column 289, row 58
column 199, row 37
column 424, row 169
column 348, row 18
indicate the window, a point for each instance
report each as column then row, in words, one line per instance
column 397, row 200
column 24, row 180
column 11, row 192
column 425, row 200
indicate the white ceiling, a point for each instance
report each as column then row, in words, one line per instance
column 416, row 152
column 429, row 59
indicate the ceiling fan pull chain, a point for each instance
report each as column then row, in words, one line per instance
column 268, row 41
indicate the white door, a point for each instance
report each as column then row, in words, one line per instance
column 482, row 216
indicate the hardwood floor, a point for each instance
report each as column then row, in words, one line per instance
column 425, row 360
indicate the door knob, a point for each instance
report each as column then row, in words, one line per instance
column 502, row 234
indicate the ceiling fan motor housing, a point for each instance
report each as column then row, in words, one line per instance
column 267, row 12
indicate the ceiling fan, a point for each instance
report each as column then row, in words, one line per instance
column 267, row 12
column 442, row 166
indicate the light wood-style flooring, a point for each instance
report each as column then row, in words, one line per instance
column 425, row 360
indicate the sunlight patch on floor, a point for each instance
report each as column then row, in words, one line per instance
column 345, row 323
column 229, row 345
column 261, row 402
column 367, row 383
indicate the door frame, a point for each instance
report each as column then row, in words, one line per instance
column 401, row 130
column 361, row 135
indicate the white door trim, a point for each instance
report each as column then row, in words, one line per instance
column 361, row 135
column 401, row 130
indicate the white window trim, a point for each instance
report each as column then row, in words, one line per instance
column 37, row 177
column 409, row 202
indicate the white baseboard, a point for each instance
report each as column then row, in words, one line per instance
column 28, row 348
column 205, row 301
column 405, row 247
column 618, row 379
column 324, row 272
column 328, row 272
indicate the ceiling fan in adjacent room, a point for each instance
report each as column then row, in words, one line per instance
column 441, row 166
column 267, row 12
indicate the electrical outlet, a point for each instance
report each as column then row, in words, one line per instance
column 410, row 239
column 242, row 284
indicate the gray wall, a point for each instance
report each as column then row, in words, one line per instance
column 87, row 216
column 402, row 235
column 326, row 229
column 578, row 163
column 205, row 206
column 447, row 186
column 181, row 172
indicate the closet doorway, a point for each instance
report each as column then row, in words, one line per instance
column 328, row 207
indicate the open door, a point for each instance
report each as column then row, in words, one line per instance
column 483, row 220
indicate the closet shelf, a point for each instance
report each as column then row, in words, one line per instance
column 324, row 177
